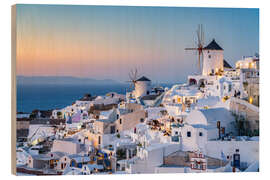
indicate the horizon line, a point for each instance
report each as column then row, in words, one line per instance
column 79, row 77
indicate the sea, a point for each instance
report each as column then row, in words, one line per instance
column 48, row 96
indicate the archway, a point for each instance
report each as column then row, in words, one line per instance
column 192, row 81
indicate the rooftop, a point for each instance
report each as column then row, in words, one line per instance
column 143, row 78
column 88, row 97
column 226, row 64
column 150, row 97
column 213, row 46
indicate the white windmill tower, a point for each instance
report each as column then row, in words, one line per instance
column 142, row 85
column 212, row 59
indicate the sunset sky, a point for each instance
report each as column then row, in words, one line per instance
column 105, row 42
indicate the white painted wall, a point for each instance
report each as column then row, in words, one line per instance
column 171, row 169
column 214, row 62
column 69, row 147
column 249, row 150
column 141, row 88
column 153, row 157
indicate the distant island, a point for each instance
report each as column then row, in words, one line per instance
column 25, row 80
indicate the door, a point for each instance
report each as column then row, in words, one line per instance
column 112, row 129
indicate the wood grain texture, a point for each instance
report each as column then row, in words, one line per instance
column 13, row 88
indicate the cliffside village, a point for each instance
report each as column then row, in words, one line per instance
column 208, row 124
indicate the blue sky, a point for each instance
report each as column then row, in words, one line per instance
column 106, row 41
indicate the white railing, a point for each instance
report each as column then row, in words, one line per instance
column 245, row 103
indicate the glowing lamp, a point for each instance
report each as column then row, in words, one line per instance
column 250, row 100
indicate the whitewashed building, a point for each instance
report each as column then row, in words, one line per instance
column 142, row 87
column 212, row 59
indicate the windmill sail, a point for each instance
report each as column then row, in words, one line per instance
column 133, row 76
column 199, row 45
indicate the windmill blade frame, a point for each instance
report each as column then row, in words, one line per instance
column 202, row 36
column 191, row 48
column 133, row 76
column 198, row 36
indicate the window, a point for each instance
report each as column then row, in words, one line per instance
column 176, row 133
column 209, row 56
column 230, row 87
column 112, row 129
column 188, row 134
column 79, row 165
column 120, row 121
column 142, row 120
column 99, row 139
column 217, row 87
column 200, row 134
column 218, row 124
column 117, row 116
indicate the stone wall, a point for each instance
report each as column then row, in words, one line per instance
column 182, row 159
column 130, row 120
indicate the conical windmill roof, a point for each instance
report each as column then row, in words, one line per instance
column 143, row 78
column 213, row 46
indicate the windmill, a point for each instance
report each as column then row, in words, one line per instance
column 133, row 76
column 199, row 45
